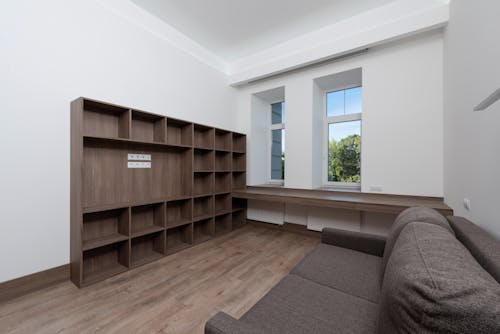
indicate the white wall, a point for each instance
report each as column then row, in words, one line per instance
column 402, row 125
column 472, row 139
column 52, row 52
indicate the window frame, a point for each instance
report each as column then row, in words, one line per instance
column 271, row 127
column 327, row 120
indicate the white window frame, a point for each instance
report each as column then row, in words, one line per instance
column 338, row 119
column 278, row 126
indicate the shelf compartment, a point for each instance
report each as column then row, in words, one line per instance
column 239, row 204
column 223, row 224
column 148, row 127
column 203, row 160
column 222, row 182
column 147, row 248
column 179, row 212
column 222, row 161
column 103, row 262
column 203, row 183
column 147, row 219
column 239, row 142
column 239, row 180
column 100, row 119
column 179, row 238
column 104, row 228
column 203, row 230
column 223, row 140
column 222, row 203
column 179, row 132
column 203, row 207
column 239, row 219
column 203, row 136
column 239, row 162
column 179, row 179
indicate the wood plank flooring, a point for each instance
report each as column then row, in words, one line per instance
column 176, row 294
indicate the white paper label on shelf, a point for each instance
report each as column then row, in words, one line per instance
column 139, row 164
column 141, row 157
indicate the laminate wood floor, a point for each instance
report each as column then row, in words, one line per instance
column 176, row 294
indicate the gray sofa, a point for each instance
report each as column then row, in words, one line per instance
column 430, row 275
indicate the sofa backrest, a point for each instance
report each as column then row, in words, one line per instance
column 483, row 247
column 407, row 216
column 433, row 284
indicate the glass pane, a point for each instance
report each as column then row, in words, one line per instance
column 278, row 155
column 353, row 100
column 344, row 152
column 278, row 113
column 335, row 103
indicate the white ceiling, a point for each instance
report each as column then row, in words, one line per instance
column 233, row 29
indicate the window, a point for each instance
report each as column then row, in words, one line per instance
column 343, row 115
column 277, row 141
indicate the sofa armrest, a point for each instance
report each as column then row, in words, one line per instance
column 358, row 241
column 223, row 323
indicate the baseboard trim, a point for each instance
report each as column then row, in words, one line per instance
column 23, row 285
column 288, row 227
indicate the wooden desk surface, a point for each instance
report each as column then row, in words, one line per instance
column 358, row 201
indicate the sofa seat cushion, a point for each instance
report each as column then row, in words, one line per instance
column 343, row 269
column 432, row 284
column 299, row 306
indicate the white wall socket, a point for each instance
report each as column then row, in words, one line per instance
column 139, row 164
column 141, row 157
column 467, row 204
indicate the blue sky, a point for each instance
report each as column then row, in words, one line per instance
column 344, row 102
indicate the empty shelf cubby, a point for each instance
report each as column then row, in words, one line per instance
column 147, row 127
column 239, row 162
column 104, row 228
column 104, row 120
column 223, row 224
column 203, row 136
column 222, row 182
column 203, row 207
column 239, row 180
column 203, row 160
column 239, row 142
column 179, row 132
column 103, row 262
column 179, row 212
column 203, row 183
column 222, row 203
column 147, row 219
column 179, row 237
column 239, row 219
column 222, row 161
column 147, row 248
column 223, row 140
column 179, row 165
column 203, row 230
column 239, row 204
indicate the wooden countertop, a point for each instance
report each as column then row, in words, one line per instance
column 349, row 200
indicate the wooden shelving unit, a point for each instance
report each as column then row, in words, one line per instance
column 123, row 216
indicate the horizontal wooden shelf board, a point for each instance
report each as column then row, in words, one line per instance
column 239, row 171
column 114, row 206
column 222, row 193
column 203, row 148
column 224, row 171
column 223, row 212
column 202, row 238
column 202, row 217
column 145, row 259
column 223, row 150
column 203, row 171
column 203, row 195
column 178, row 223
column 147, row 230
column 90, row 278
column 238, row 209
column 103, row 241
column 239, row 151
column 343, row 200
column 137, row 142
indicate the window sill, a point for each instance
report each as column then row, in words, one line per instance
column 354, row 189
